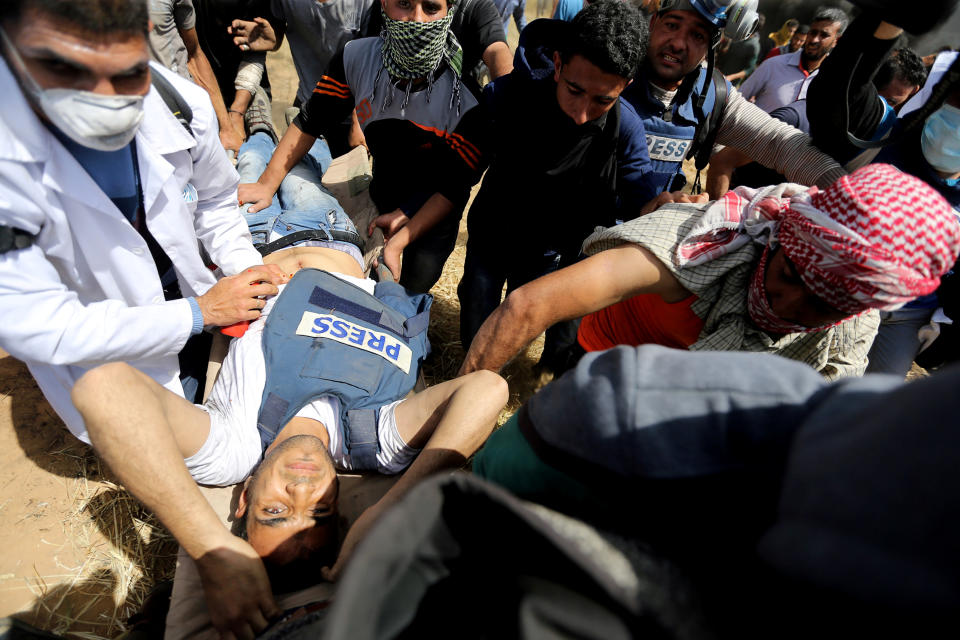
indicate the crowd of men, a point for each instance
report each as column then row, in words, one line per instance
column 147, row 201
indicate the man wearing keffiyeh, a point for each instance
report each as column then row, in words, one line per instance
column 786, row 270
column 421, row 129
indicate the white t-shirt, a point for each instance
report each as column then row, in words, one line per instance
column 233, row 450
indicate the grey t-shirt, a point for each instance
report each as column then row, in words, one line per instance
column 166, row 46
column 317, row 30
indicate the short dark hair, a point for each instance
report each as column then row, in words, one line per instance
column 804, row 28
column 906, row 65
column 97, row 17
column 832, row 14
column 610, row 34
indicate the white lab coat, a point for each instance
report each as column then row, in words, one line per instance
column 87, row 292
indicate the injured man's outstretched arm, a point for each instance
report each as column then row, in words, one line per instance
column 300, row 395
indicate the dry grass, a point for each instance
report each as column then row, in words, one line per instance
column 124, row 551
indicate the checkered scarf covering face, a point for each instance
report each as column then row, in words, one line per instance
column 413, row 50
column 875, row 239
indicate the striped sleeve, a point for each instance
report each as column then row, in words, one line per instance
column 467, row 161
column 774, row 144
column 330, row 103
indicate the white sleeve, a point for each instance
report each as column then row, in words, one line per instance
column 44, row 321
column 218, row 222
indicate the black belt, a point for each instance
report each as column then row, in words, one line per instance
column 311, row 234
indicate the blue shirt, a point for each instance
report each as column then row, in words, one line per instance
column 567, row 9
column 516, row 8
column 113, row 171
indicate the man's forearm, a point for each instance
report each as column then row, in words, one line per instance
column 722, row 165
column 435, row 209
column 498, row 59
column 199, row 67
column 238, row 109
column 510, row 327
column 293, row 146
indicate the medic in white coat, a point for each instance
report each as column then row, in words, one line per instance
column 87, row 291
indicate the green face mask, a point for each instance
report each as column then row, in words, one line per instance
column 414, row 49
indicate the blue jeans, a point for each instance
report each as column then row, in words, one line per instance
column 485, row 271
column 302, row 202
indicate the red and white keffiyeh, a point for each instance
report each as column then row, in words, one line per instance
column 875, row 239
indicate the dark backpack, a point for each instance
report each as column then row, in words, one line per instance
column 174, row 101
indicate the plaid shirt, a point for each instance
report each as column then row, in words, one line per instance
column 721, row 289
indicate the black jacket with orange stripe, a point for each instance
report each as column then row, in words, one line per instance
column 422, row 143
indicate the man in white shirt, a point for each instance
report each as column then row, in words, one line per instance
column 106, row 200
column 155, row 441
column 784, row 79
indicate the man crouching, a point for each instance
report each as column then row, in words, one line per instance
column 316, row 383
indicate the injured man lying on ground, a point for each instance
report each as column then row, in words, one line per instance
column 318, row 383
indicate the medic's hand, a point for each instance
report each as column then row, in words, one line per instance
column 237, row 589
column 389, row 222
column 257, row 195
column 674, row 197
column 253, row 35
column 235, row 298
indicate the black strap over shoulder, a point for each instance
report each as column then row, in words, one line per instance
column 174, row 101
column 12, row 238
column 707, row 130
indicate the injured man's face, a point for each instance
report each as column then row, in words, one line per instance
column 290, row 503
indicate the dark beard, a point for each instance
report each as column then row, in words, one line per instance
column 823, row 54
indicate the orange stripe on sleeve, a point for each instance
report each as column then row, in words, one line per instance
column 464, row 148
column 334, row 82
column 331, row 93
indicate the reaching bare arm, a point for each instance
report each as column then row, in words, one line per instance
column 587, row 286
column 449, row 421
column 722, row 165
column 400, row 230
column 202, row 73
column 498, row 59
column 292, row 147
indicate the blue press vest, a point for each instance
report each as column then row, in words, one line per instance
column 667, row 142
column 327, row 337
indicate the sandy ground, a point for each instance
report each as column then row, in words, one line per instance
column 78, row 553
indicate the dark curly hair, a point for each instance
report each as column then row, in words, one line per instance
column 903, row 64
column 92, row 16
column 610, row 34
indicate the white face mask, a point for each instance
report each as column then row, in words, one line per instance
column 105, row 123
column 940, row 140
